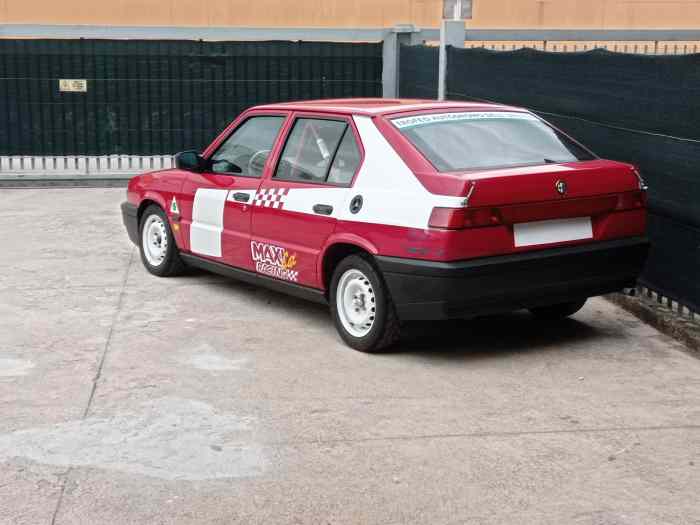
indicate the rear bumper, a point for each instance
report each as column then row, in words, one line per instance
column 131, row 221
column 441, row 290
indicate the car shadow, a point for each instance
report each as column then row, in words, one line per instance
column 488, row 336
column 480, row 337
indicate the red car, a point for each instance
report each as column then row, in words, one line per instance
column 397, row 210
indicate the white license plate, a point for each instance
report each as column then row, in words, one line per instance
column 556, row 230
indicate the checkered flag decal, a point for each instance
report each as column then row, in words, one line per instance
column 271, row 198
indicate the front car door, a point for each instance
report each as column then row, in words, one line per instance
column 295, row 209
column 219, row 198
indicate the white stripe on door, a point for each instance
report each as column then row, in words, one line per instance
column 207, row 221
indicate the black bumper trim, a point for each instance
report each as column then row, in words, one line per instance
column 131, row 221
column 440, row 290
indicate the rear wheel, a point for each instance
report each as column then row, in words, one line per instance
column 558, row 311
column 362, row 310
column 159, row 252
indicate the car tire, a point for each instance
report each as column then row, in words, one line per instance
column 557, row 311
column 159, row 252
column 361, row 306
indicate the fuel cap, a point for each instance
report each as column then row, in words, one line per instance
column 356, row 204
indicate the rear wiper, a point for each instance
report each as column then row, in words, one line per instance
column 550, row 161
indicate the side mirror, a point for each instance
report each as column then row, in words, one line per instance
column 189, row 160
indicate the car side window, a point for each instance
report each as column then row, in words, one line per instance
column 245, row 151
column 346, row 161
column 310, row 149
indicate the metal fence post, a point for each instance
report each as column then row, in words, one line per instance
column 393, row 40
column 452, row 33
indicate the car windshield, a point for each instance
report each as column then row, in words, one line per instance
column 483, row 140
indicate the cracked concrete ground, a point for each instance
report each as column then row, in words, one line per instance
column 125, row 398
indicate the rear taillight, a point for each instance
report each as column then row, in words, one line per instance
column 447, row 218
column 458, row 218
column 631, row 200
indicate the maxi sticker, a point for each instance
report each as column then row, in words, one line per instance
column 274, row 261
column 421, row 120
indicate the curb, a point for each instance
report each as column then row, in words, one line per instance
column 664, row 319
column 64, row 182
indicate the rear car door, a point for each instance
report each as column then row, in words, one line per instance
column 218, row 200
column 296, row 208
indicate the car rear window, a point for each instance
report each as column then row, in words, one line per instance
column 487, row 140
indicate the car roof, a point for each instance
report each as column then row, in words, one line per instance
column 381, row 106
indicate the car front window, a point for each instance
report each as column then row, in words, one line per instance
column 485, row 140
column 246, row 150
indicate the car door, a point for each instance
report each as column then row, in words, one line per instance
column 296, row 207
column 219, row 198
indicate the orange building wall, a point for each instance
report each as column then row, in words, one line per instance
column 590, row 14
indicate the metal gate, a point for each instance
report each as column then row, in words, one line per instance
column 146, row 97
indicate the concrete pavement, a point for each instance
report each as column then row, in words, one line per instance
column 125, row 398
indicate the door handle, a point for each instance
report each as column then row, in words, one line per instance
column 323, row 209
column 241, row 197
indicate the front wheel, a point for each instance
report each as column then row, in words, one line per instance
column 362, row 309
column 159, row 252
column 558, row 311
